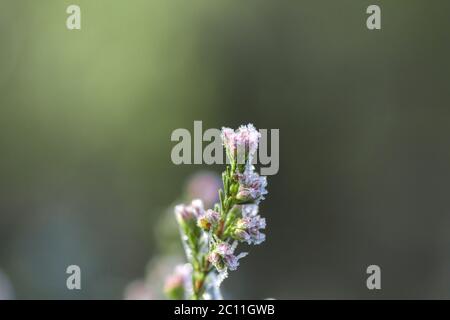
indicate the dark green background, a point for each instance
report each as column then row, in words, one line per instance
column 364, row 119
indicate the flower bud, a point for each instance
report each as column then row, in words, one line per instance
column 252, row 187
column 216, row 260
column 242, row 223
column 244, row 196
column 241, row 144
column 222, row 257
column 183, row 214
column 174, row 286
column 188, row 213
column 208, row 219
column 248, row 229
column 241, row 235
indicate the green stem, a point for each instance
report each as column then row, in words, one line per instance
column 202, row 267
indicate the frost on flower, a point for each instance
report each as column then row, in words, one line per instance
column 241, row 144
column 229, row 139
column 187, row 216
column 222, row 257
column 252, row 187
column 189, row 212
column 207, row 234
column 247, row 137
column 208, row 219
column 249, row 210
column 248, row 228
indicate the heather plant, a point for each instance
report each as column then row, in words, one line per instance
column 165, row 275
column 211, row 236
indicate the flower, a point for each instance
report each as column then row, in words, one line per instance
column 206, row 234
column 248, row 138
column 229, row 139
column 241, row 144
column 151, row 287
column 176, row 283
column 249, row 210
column 222, row 257
column 248, row 229
column 208, row 219
column 252, row 187
column 189, row 212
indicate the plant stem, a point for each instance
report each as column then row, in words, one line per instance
column 199, row 278
column 202, row 270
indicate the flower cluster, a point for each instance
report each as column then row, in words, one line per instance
column 222, row 256
column 189, row 212
column 209, row 219
column 246, row 137
column 248, row 227
column 252, row 187
column 211, row 236
column 241, row 144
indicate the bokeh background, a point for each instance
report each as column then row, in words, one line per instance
column 364, row 118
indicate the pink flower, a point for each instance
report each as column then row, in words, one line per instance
column 208, row 219
column 248, row 229
column 229, row 139
column 222, row 257
column 252, row 187
column 189, row 212
column 241, row 144
column 248, row 137
column 176, row 283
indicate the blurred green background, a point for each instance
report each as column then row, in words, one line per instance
column 364, row 118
